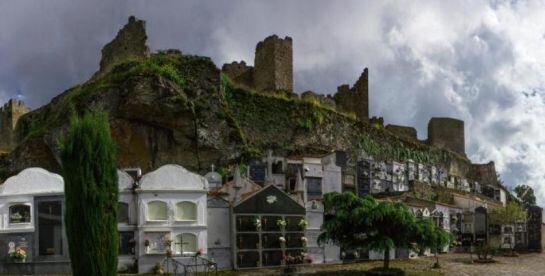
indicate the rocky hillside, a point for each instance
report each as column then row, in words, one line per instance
column 167, row 107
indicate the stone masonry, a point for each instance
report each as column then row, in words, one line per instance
column 273, row 69
column 403, row 131
column 274, row 64
column 130, row 42
column 10, row 114
column 447, row 133
column 239, row 73
column 356, row 98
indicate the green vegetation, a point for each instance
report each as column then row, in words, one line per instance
column 509, row 215
column 91, row 194
column 429, row 235
column 263, row 119
column 362, row 222
column 401, row 151
column 77, row 97
column 526, row 194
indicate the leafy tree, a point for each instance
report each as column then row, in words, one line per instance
column 428, row 234
column 344, row 222
column 91, row 194
column 352, row 221
column 508, row 215
column 526, row 194
column 392, row 226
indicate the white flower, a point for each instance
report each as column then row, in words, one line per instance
column 282, row 239
column 304, row 239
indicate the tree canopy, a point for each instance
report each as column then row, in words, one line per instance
column 352, row 222
column 511, row 213
column 91, row 194
column 526, row 194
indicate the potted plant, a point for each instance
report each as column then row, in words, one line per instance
column 257, row 223
column 19, row 255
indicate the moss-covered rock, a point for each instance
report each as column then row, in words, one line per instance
column 172, row 108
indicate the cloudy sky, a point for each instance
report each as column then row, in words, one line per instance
column 480, row 61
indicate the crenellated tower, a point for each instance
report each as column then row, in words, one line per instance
column 10, row 114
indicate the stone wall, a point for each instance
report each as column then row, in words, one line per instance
column 130, row 42
column 9, row 116
column 356, row 98
column 447, row 133
column 239, row 73
column 403, row 131
column 274, row 64
column 485, row 174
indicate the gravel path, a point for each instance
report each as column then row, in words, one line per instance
column 526, row 264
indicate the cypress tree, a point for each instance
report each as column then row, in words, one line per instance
column 91, row 194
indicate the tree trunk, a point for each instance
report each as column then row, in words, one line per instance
column 387, row 258
column 436, row 257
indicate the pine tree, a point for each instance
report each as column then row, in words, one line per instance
column 91, row 195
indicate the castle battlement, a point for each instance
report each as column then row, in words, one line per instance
column 273, row 66
column 355, row 99
column 10, row 113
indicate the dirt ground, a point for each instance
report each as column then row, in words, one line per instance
column 452, row 264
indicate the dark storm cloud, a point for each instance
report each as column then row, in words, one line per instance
column 472, row 60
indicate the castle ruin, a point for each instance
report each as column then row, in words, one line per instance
column 10, row 114
column 447, row 133
column 130, row 43
column 355, row 99
column 273, row 69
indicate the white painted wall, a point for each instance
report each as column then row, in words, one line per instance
column 21, row 189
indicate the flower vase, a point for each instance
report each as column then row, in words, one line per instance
column 147, row 249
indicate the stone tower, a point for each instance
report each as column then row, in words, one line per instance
column 355, row 99
column 129, row 43
column 274, row 64
column 447, row 133
column 10, row 114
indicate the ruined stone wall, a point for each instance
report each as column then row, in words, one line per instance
column 10, row 114
column 447, row 133
column 239, row 73
column 130, row 42
column 403, row 131
column 355, row 99
column 274, row 64
column 485, row 174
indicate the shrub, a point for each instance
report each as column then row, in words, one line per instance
column 91, row 193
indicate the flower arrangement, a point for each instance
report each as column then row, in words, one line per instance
column 168, row 242
column 19, row 254
column 257, row 223
column 281, row 223
column 308, row 259
column 303, row 224
column 282, row 239
column 199, row 252
column 146, row 243
column 304, row 240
